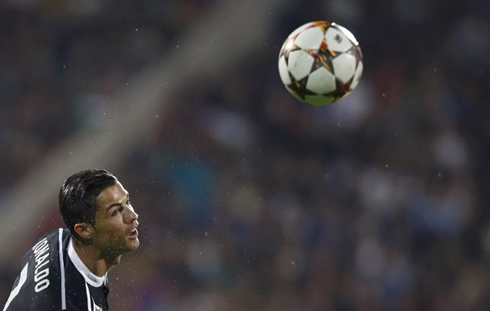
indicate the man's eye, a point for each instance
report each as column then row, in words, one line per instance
column 116, row 211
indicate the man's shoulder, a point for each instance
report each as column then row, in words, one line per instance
column 52, row 245
column 45, row 260
column 55, row 234
column 42, row 271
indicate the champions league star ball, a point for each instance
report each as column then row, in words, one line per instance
column 320, row 63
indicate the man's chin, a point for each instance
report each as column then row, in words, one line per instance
column 134, row 244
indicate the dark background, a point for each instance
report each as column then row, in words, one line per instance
column 248, row 199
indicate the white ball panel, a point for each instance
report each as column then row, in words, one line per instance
column 337, row 41
column 283, row 70
column 344, row 67
column 300, row 29
column 321, row 81
column 287, row 45
column 347, row 33
column 310, row 39
column 357, row 76
column 319, row 100
column 299, row 64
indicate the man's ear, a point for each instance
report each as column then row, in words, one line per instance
column 84, row 230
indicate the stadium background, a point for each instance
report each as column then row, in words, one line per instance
column 247, row 199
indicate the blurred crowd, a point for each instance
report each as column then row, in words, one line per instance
column 250, row 200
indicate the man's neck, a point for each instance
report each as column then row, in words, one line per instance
column 94, row 259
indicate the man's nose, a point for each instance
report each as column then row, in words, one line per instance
column 132, row 215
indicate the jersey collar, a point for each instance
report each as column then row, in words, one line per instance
column 90, row 278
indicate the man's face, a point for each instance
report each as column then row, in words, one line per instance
column 115, row 222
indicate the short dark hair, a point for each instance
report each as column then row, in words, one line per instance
column 78, row 193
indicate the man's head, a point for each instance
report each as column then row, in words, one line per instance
column 96, row 209
column 78, row 193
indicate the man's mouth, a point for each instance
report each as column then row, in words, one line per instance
column 133, row 234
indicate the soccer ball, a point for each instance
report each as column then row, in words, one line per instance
column 320, row 63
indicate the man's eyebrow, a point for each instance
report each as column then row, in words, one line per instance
column 117, row 203
column 113, row 204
